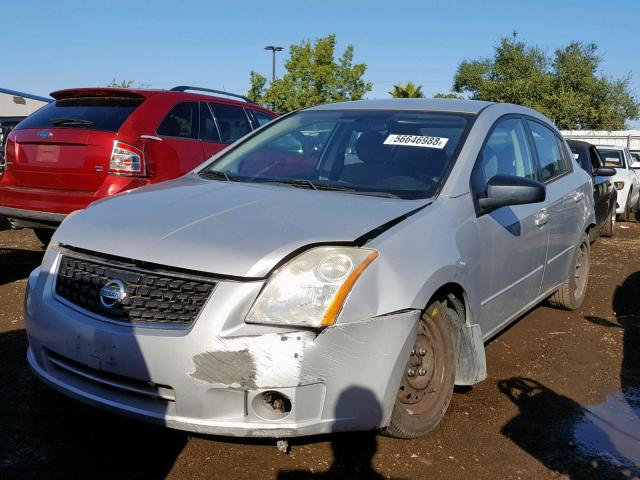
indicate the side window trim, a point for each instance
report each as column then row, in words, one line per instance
column 215, row 123
column 249, row 119
column 252, row 118
column 197, row 123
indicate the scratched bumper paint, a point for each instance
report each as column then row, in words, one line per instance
column 210, row 378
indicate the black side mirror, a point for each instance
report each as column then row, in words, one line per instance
column 505, row 190
column 604, row 172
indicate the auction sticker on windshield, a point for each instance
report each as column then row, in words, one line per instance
column 416, row 141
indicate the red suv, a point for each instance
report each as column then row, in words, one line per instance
column 95, row 142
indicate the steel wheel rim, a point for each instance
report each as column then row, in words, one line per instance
column 582, row 270
column 418, row 389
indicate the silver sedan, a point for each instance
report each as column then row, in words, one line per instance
column 338, row 269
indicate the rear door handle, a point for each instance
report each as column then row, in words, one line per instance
column 578, row 196
column 542, row 218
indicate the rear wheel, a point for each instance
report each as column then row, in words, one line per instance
column 427, row 382
column 44, row 235
column 610, row 226
column 572, row 292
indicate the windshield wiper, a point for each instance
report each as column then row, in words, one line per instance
column 59, row 122
column 218, row 174
column 287, row 181
column 342, row 188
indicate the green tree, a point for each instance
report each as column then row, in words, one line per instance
column 313, row 76
column 120, row 84
column 126, row 84
column 408, row 90
column 567, row 86
column 448, row 95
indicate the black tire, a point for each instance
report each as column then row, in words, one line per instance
column 44, row 235
column 423, row 398
column 572, row 292
column 609, row 227
column 626, row 215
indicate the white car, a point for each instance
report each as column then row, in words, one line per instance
column 626, row 179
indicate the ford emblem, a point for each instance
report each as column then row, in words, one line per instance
column 45, row 134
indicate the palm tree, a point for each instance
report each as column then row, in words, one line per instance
column 408, row 90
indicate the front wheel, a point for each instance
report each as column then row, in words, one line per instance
column 572, row 292
column 427, row 382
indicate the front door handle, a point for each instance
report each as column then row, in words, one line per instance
column 577, row 196
column 542, row 218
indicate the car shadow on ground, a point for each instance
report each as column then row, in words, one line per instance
column 352, row 452
column 46, row 435
column 16, row 264
column 600, row 441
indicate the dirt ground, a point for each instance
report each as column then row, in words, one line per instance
column 562, row 401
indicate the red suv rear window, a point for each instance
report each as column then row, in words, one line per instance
column 91, row 113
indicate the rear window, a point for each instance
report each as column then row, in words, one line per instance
column 90, row 113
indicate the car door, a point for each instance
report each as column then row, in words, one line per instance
column 513, row 238
column 180, row 149
column 564, row 199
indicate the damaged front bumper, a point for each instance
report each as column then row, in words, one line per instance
column 222, row 375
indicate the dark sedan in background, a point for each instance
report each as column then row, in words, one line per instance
column 604, row 192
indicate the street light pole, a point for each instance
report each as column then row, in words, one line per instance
column 273, row 60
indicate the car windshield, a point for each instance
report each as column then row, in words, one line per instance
column 375, row 152
column 612, row 158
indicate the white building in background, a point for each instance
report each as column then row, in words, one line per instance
column 14, row 106
column 18, row 104
column 622, row 138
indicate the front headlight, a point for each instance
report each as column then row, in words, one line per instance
column 311, row 289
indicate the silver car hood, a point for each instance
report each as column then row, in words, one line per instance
column 232, row 229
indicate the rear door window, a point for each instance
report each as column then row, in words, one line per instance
column 232, row 122
column 552, row 161
column 90, row 113
column 182, row 121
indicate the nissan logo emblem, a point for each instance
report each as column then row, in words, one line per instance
column 112, row 293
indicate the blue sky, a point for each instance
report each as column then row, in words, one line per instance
column 50, row 45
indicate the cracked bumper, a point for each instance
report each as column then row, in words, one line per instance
column 210, row 378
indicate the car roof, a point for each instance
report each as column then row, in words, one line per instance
column 146, row 93
column 430, row 104
column 611, row 147
column 579, row 143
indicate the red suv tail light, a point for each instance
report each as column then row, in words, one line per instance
column 126, row 160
